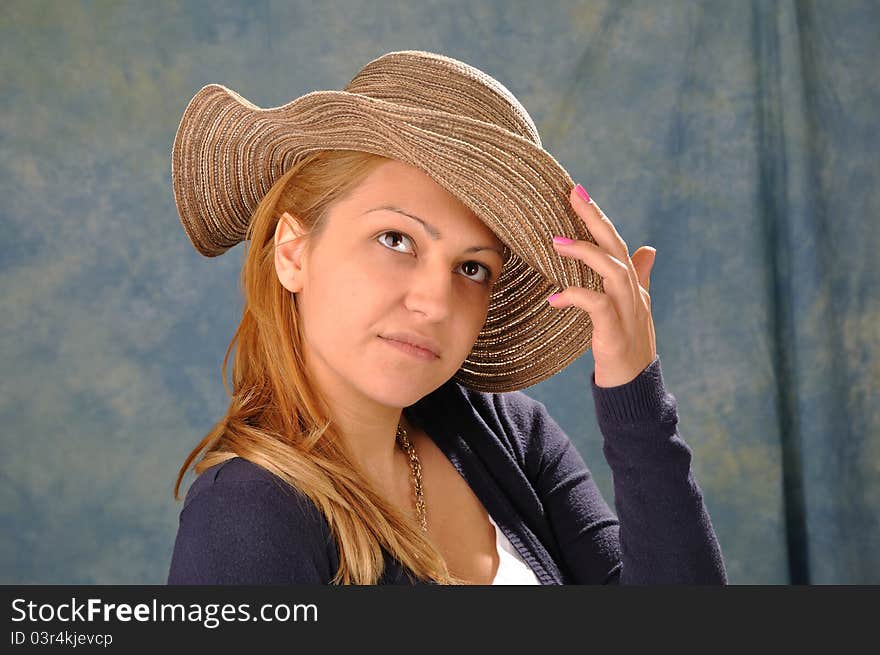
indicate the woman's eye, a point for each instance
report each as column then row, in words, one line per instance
column 398, row 237
column 487, row 274
column 396, row 234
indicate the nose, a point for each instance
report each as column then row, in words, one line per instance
column 431, row 291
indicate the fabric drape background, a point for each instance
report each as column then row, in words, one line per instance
column 737, row 138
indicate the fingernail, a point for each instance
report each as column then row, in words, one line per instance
column 562, row 240
column 582, row 192
column 553, row 297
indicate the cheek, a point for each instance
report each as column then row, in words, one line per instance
column 326, row 293
column 344, row 298
column 465, row 331
column 337, row 280
column 477, row 326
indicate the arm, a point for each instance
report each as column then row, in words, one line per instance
column 662, row 533
column 584, row 526
column 666, row 535
column 248, row 532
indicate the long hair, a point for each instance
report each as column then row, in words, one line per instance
column 276, row 418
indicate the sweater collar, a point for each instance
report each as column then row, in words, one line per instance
column 456, row 426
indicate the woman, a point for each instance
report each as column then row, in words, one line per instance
column 401, row 251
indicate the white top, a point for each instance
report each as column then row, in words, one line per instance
column 512, row 569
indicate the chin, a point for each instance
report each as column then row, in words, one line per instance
column 401, row 392
column 398, row 395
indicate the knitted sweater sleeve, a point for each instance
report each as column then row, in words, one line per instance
column 662, row 533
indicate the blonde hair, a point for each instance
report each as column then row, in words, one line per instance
column 276, row 418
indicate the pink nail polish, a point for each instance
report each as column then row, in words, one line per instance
column 565, row 240
column 582, row 192
column 553, row 297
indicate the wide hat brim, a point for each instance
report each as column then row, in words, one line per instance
column 228, row 152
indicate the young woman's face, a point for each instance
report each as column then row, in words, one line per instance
column 375, row 272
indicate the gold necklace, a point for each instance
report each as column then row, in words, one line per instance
column 416, row 466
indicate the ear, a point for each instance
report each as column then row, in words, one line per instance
column 289, row 242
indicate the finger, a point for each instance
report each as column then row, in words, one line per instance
column 603, row 231
column 615, row 274
column 599, row 225
column 598, row 305
column 643, row 261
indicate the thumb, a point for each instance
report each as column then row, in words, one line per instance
column 643, row 261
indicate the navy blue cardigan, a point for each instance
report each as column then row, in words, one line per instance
column 241, row 525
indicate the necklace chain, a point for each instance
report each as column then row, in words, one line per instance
column 416, row 466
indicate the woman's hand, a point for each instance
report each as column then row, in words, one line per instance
column 624, row 343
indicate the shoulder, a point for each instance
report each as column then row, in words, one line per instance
column 513, row 421
column 242, row 524
column 241, row 485
column 232, row 472
column 515, row 413
column 510, row 409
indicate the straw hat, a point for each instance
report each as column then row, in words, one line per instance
column 459, row 125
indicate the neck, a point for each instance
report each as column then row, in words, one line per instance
column 373, row 447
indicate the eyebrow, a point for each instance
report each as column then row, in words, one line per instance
column 430, row 229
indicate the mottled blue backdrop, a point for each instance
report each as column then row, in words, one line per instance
column 738, row 138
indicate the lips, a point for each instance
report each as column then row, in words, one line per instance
column 414, row 339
